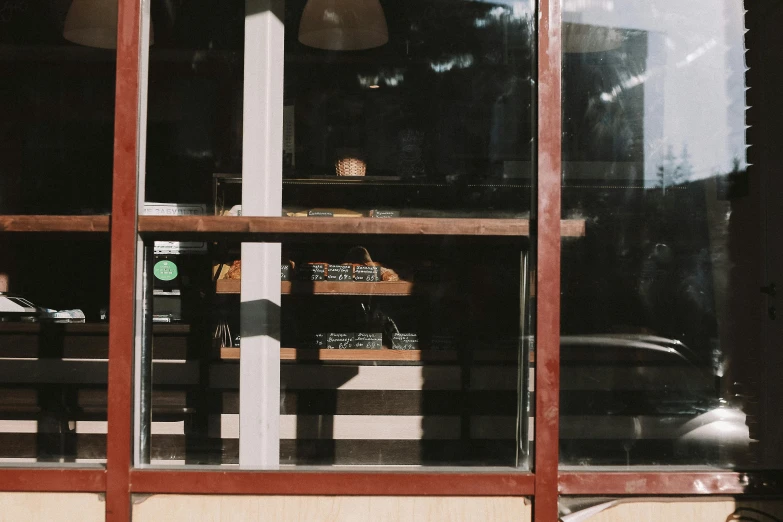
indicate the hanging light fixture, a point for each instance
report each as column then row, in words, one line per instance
column 343, row 25
column 93, row 23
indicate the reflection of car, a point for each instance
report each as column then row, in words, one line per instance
column 20, row 309
column 16, row 307
column 638, row 399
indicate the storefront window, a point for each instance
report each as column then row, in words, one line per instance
column 657, row 340
column 393, row 349
column 57, row 61
column 57, row 124
column 53, row 350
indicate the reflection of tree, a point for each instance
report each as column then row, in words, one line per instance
column 673, row 172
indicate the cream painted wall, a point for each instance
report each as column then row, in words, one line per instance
column 87, row 507
column 181, row 508
column 59, row 507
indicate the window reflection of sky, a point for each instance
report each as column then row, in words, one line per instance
column 694, row 78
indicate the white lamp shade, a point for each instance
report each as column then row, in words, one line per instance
column 93, row 23
column 581, row 38
column 343, row 25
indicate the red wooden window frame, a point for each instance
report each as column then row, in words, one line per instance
column 544, row 484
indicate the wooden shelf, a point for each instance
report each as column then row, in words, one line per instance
column 20, row 340
column 232, row 286
column 294, row 354
column 42, row 223
column 82, row 328
column 397, row 181
column 246, row 228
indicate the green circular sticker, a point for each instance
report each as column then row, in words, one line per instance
column 165, row 270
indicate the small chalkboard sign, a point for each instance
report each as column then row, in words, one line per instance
column 339, row 273
column 285, row 272
column 384, row 214
column 367, row 273
column 367, row 341
column 338, row 341
column 405, row 341
column 313, row 272
column 320, row 213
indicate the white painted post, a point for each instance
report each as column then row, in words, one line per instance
column 262, row 167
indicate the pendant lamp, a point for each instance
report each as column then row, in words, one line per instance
column 343, row 25
column 93, row 23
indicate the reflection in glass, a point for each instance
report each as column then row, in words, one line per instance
column 57, row 116
column 435, row 122
column 54, row 342
column 654, row 160
column 393, row 353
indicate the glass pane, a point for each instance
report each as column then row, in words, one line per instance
column 421, row 370
column 431, row 119
column 654, row 336
column 53, row 350
column 395, row 350
column 194, row 103
column 57, row 61
column 194, row 130
column 437, row 121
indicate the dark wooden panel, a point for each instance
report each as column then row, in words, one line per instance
column 18, row 401
column 52, row 447
column 381, row 402
column 55, row 371
column 84, row 341
column 164, row 402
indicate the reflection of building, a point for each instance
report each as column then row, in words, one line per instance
column 690, row 69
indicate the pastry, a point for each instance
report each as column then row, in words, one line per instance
column 387, row 274
column 235, row 272
column 360, row 255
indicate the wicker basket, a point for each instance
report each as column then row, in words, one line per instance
column 350, row 163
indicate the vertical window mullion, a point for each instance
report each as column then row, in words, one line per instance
column 547, row 232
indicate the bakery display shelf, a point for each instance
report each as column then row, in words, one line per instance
column 82, row 340
column 398, row 181
column 82, row 328
column 245, row 228
column 232, row 286
column 47, row 223
column 383, row 355
column 318, row 179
